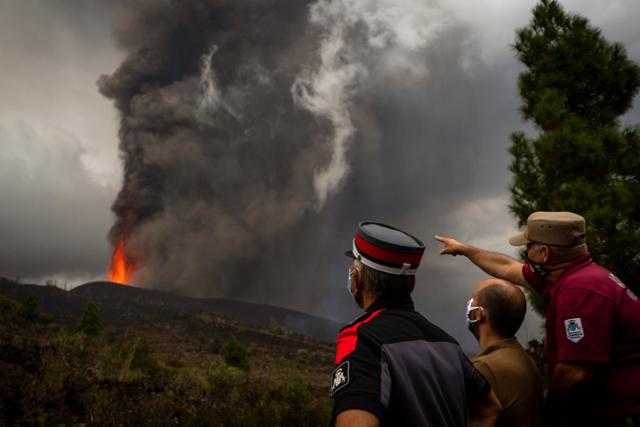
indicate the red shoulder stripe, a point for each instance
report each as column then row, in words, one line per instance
column 348, row 338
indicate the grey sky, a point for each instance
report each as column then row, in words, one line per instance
column 60, row 172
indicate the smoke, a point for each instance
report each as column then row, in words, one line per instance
column 388, row 28
column 237, row 119
column 255, row 135
column 217, row 157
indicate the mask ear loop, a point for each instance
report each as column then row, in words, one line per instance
column 471, row 308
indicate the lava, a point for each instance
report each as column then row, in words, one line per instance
column 122, row 267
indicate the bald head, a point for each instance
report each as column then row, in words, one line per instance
column 504, row 304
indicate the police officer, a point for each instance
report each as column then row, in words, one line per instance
column 592, row 319
column 394, row 367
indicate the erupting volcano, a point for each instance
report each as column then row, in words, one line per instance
column 121, row 267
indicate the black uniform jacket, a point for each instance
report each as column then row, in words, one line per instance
column 396, row 364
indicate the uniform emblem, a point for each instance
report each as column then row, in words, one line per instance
column 573, row 329
column 340, row 377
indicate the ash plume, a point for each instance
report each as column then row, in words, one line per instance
column 255, row 135
column 216, row 154
column 236, row 122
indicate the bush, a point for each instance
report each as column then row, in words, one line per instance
column 235, row 354
column 8, row 308
column 29, row 309
column 143, row 361
column 90, row 323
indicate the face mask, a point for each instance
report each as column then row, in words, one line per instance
column 472, row 323
column 357, row 297
column 471, row 308
column 537, row 269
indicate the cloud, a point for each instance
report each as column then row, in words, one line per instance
column 53, row 214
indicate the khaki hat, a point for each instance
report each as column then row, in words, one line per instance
column 552, row 228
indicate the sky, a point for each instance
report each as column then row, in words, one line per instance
column 426, row 105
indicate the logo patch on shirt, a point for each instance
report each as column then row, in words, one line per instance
column 574, row 330
column 340, row 377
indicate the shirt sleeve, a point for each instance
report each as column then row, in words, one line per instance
column 357, row 379
column 584, row 324
column 475, row 385
column 486, row 372
column 536, row 283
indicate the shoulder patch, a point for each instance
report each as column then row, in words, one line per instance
column 573, row 329
column 340, row 377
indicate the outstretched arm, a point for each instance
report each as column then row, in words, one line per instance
column 492, row 263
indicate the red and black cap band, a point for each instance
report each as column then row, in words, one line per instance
column 387, row 249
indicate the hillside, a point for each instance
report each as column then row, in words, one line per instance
column 121, row 305
column 160, row 359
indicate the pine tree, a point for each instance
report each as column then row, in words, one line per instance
column 90, row 323
column 575, row 87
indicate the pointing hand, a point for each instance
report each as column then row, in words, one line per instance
column 451, row 246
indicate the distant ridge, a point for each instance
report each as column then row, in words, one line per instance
column 118, row 304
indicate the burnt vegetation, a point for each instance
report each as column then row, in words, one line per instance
column 195, row 368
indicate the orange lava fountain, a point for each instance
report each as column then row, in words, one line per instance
column 121, row 267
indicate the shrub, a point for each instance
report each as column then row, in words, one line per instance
column 235, row 354
column 8, row 308
column 90, row 323
column 143, row 361
column 29, row 309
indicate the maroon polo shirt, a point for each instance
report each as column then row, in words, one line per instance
column 593, row 317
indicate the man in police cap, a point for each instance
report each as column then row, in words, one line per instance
column 592, row 319
column 394, row 367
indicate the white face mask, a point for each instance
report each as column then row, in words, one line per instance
column 349, row 281
column 471, row 308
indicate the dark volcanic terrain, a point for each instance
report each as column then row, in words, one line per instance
column 130, row 307
column 158, row 359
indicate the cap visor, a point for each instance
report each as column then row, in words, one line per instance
column 518, row 240
column 350, row 254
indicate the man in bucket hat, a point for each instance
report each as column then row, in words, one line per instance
column 592, row 319
column 394, row 367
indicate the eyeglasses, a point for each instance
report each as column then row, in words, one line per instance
column 471, row 308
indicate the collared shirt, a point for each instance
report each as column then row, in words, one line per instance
column 395, row 364
column 516, row 382
column 593, row 317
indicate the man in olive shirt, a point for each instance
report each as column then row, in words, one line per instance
column 494, row 314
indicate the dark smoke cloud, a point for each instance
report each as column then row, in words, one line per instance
column 217, row 156
column 257, row 134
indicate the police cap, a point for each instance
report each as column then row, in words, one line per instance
column 387, row 249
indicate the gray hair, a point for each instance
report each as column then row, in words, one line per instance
column 381, row 283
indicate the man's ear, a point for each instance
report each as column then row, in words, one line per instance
column 481, row 314
column 355, row 279
column 546, row 253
